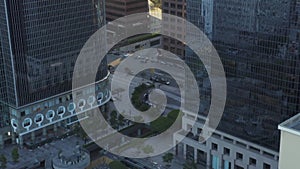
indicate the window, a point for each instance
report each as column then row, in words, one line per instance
column 227, row 164
column 239, row 156
column 215, row 162
column 199, row 130
column 267, row 166
column 179, row 6
column 166, row 4
column 214, row 146
column 252, row 161
column 156, row 42
column 226, row 151
column 137, row 46
column 238, row 167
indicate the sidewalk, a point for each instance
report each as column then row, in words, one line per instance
column 45, row 152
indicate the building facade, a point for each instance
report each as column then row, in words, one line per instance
column 177, row 8
column 40, row 41
column 221, row 150
column 118, row 8
column 258, row 43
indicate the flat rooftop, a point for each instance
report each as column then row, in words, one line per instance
column 291, row 125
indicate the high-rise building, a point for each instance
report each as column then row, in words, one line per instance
column 40, row 41
column 115, row 9
column 258, row 43
column 118, row 8
column 177, row 8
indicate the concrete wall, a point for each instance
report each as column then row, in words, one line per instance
column 289, row 151
column 261, row 155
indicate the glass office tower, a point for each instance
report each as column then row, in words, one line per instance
column 258, row 43
column 39, row 44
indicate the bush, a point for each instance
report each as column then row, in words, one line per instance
column 190, row 165
column 117, row 165
column 15, row 154
column 174, row 114
column 163, row 123
column 137, row 95
column 3, row 161
column 168, row 158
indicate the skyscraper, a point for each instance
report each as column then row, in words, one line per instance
column 177, row 8
column 258, row 45
column 118, row 8
column 40, row 41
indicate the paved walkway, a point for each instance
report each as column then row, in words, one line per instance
column 47, row 151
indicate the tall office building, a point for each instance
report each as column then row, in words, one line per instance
column 40, row 41
column 258, row 44
column 118, row 8
column 177, row 8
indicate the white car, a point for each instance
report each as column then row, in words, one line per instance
column 155, row 163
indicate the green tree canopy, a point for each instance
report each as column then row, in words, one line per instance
column 3, row 161
column 117, row 165
column 15, row 154
column 168, row 158
column 189, row 165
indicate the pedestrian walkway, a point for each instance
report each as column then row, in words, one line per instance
column 46, row 152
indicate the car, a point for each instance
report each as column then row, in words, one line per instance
column 167, row 83
column 146, row 95
column 148, row 83
column 162, row 79
column 113, row 99
column 127, row 55
column 155, row 163
column 153, row 78
column 114, row 52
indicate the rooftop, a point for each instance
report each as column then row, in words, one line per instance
column 291, row 125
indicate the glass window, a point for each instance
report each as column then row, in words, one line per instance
column 215, row 162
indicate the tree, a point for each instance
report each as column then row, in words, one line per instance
column 81, row 133
column 189, row 165
column 117, row 165
column 168, row 158
column 114, row 119
column 114, row 114
column 15, row 154
column 3, row 161
column 121, row 120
